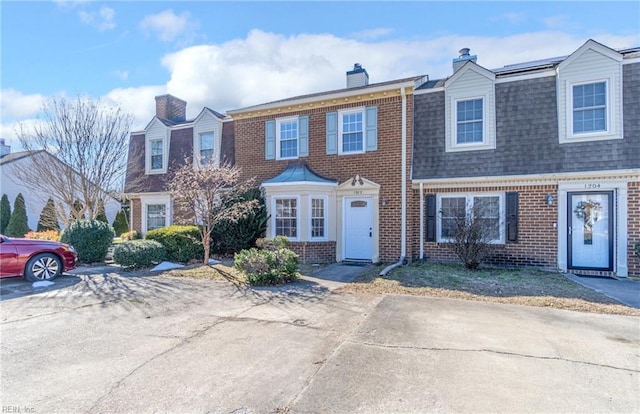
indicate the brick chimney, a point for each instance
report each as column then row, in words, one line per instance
column 463, row 58
column 357, row 77
column 171, row 108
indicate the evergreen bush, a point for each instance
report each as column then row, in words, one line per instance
column 138, row 253
column 5, row 213
column 90, row 238
column 18, row 224
column 230, row 237
column 48, row 219
column 182, row 242
column 120, row 223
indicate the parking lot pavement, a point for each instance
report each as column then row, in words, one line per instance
column 158, row 344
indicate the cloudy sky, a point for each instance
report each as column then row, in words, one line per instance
column 227, row 55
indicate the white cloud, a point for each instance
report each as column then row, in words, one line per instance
column 373, row 34
column 168, row 26
column 14, row 104
column 512, row 18
column 263, row 67
column 102, row 19
column 556, row 22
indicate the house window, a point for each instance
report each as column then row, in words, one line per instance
column 589, row 107
column 286, row 217
column 351, row 132
column 156, row 216
column 157, row 154
column 318, row 218
column 287, row 138
column 206, row 147
column 458, row 210
column 469, row 116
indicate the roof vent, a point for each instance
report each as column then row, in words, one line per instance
column 463, row 58
column 357, row 77
column 4, row 149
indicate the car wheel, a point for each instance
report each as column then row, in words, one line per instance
column 44, row 266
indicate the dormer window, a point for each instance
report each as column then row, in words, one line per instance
column 207, row 142
column 157, row 154
column 469, row 121
column 589, row 107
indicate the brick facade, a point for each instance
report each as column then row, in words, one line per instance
column 633, row 223
column 381, row 166
column 314, row 252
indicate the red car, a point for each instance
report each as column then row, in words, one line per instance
column 35, row 260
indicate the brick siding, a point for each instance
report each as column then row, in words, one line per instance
column 314, row 252
column 633, row 223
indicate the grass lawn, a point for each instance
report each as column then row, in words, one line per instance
column 515, row 286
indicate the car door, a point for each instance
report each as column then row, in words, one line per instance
column 8, row 258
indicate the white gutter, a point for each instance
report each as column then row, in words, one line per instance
column 403, row 196
column 421, row 221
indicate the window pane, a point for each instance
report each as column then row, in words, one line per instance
column 469, row 121
column 288, row 139
column 156, row 154
column 317, row 218
column 206, row 147
column 488, row 209
column 589, row 107
column 352, row 133
column 156, row 216
column 453, row 210
column 286, row 221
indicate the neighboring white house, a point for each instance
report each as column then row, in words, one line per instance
column 34, row 201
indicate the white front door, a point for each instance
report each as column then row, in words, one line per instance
column 590, row 241
column 358, row 228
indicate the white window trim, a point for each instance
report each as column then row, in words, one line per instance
column 156, row 200
column 469, row 202
column 488, row 134
column 197, row 147
column 610, row 131
column 325, row 201
column 280, row 121
column 273, row 214
column 364, row 129
column 165, row 152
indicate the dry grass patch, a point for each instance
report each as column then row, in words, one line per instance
column 217, row 271
column 514, row 286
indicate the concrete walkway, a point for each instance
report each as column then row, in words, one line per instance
column 336, row 275
column 623, row 290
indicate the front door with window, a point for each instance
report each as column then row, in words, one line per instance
column 590, row 230
column 358, row 229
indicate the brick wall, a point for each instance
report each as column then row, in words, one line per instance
column 537, row 236
column 633, row 211
column 136, row 214
column 314, row 252
column 381, row 166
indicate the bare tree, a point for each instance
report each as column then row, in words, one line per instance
column 79, row 153
column 472, row 235
column 207, row 194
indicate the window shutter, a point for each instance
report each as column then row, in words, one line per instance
column 270, row 140
column 371, row 115
column 303, row 136
column 431, row 215
column 332, row 132
column 512, row 217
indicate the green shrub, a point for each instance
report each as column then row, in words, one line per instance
column 48, row 217
column 278, row 242
column 267, row 267
column 18, row 222
column 5, row 212
column 131, row 235
column 90, row 238
column 228, row 236
column 120, row 223
column 138, row 253
column 182, row 242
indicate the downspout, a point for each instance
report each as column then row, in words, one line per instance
column 403, row 194
column 421, row 221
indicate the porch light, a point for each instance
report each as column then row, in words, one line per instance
column 549, row 199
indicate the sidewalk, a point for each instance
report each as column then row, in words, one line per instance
column 624, row 291
column 337, row 275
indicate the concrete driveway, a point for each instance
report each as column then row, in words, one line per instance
column 134, row 345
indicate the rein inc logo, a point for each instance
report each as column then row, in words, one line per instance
column 14, row 409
